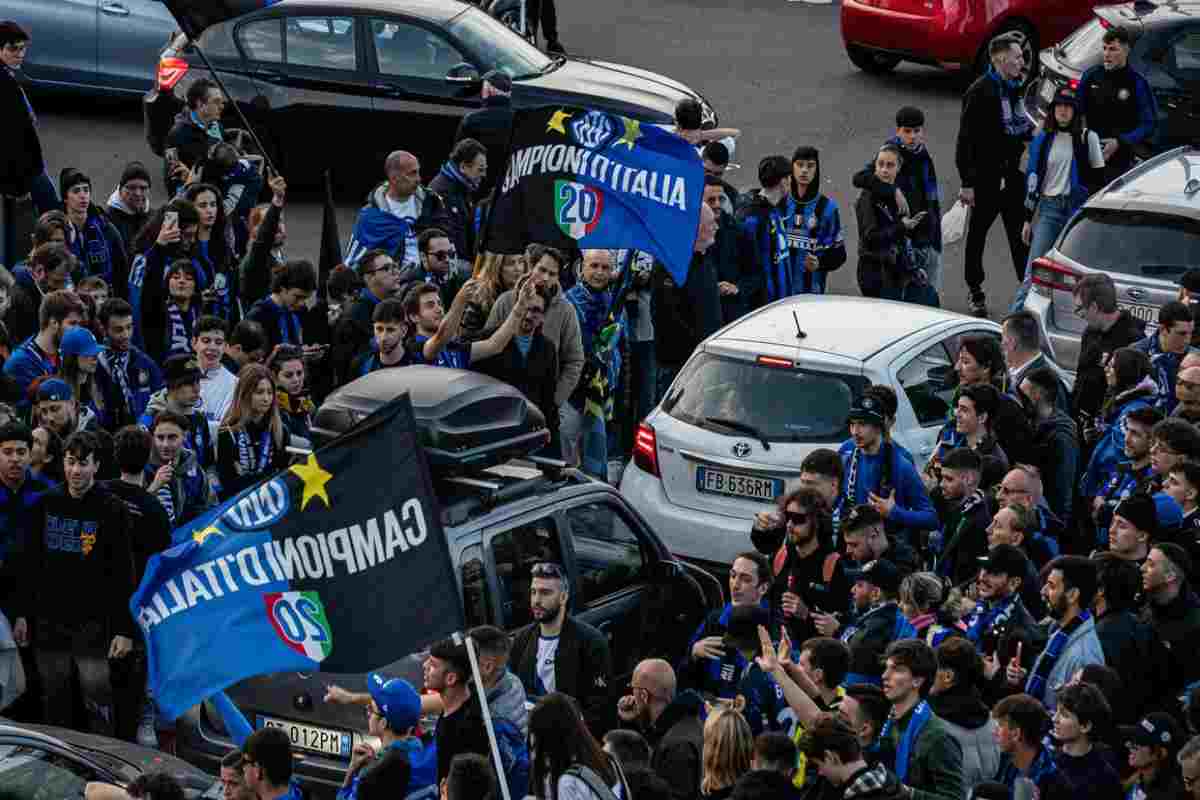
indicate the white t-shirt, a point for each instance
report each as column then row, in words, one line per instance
column 406, row 209
column 1058, row 164
column 216, row 392
column 547, row 650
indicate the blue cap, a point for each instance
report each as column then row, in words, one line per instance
column 79, row 341
column 1065, row 97
column 398, row 701
column 54, row 389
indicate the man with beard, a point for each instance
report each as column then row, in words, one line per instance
column 1073, row 644
column 877, row 621
column 1055, row 442
column 1001, row 575
column 48, row 270
column 710, row 667
column 1173, row 610
column 126, row 377
column 809, row 573
column 38, row 356
column 529, row 362
column 1020, row 724
column 963, row 512
column 558, row 653
column 1187, row 395
column 391, row 327
column 1132, row 472
column 866, row 540
column 737, row 272
column 1082, row 717
column 928, row 759
column 670, row 722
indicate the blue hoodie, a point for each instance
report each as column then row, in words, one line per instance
column 28, row 363
column 914, row 510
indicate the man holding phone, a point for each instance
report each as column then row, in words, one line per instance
column 196, row 129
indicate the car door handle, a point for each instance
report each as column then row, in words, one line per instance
column 116, row 9
column 388, row 90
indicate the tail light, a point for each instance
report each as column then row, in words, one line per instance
column 170, row 70
column 1049, row 275
column 775, row 361
column 1073, row 84
column 645, row 449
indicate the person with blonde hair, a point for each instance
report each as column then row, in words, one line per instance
column 728, row 750
column 496, row 274
column 251, row 440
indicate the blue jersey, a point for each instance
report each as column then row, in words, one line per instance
column 422, row 782
column 813, row 226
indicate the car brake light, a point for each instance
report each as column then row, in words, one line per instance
column 1051, row 275
column 645, row 449
column 772, row 361
column 170, row 70
column 1104, row 23
column 1073, row 84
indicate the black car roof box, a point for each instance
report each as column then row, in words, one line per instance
column 466, row 421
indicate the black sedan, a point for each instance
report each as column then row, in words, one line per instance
column 1166, row 49
column 38, row 762
column 331, row 84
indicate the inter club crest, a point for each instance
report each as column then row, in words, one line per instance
column 594, row 129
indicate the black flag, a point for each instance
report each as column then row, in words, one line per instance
column 331, row 242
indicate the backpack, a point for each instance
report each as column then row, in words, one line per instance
column 514, row 754
column 596, row 784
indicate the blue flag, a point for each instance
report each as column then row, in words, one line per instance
column 338, row 564
column 590, row 179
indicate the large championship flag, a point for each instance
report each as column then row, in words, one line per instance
column 591, row 179
column 338, row 564
column 195, row 16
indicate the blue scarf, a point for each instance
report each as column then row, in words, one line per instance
column 212, row 129
column 455, row 174
column 290, row 331
column 1036, row 685
column 91, row 248
column 985, row 617
column 1041, row 767
column 251, row 460
column 1016, row 124
column 179, row 330
column 920, row 715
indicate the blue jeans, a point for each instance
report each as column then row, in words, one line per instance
column 584, row 441
column 1053, row 213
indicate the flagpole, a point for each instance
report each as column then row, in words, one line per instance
column 487, row 716
column 487, row 222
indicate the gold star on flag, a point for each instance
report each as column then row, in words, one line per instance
column 212, row 530
column 633, row 132
column 315, row 477
column 556, row 122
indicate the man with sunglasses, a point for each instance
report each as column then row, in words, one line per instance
column 352, row 334
column 437, row 264
column 559, row 653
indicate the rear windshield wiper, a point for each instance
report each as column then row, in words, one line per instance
column 1154, row 270
column 734, row 425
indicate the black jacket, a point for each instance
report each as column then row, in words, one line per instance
column 734, row 255
column 21, row 318
column 460, row 211
column 1139, row 657
column 686, row 315
column 882, row 265
column 1094, row 348
column 22, row 158
column 491, row 126
column 1055, row 451
column 535, row 375
column 804, row 577
column 190, row 141
column 985, row 151
column 150, row 527
column 677, row 741
column 964, row 532
column 128, row 224
column 582, row 667
column 351, row 336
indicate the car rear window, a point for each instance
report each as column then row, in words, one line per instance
column 1085, row 47
column 788, row 405
column 1133, row 242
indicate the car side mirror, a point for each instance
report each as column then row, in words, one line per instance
column 462, row 73
column 663, row 571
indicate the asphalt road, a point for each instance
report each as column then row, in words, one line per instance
column 774, row 69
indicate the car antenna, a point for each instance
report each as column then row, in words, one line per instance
column 800, row 334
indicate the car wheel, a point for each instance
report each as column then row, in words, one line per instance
column 1026, row 35
column 871, row 61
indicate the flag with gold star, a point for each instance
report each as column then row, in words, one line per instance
column 583, row 178
column 337, row 564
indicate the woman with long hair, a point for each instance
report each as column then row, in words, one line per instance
column 251, row 441
column 565, row 760
column 295, row 406
column 216, row 256
column 497, row 274
column 932, row 607
column 268, row 235
column 728, row 749
column 1130, row 386
column 80, row 358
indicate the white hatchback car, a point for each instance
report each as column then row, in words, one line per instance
column 761, row 393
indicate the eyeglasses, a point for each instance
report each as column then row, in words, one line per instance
column 796, row 517
column 442, row 255
column 17, row 48
column 547, row 570
column 1003, row 491
column 391, row 266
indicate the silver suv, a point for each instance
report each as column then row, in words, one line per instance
column 1143, row 229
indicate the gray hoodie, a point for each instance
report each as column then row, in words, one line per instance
column 507, row 700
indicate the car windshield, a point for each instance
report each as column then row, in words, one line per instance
column 496, row 45
column 789, row 405
column 1085, row 47
column 1133, row 242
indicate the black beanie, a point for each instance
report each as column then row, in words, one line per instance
column 135, row 170
column 71, row 176
column 910, row 117
column 806, row 153
column 12, row 33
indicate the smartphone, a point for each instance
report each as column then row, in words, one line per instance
column 171, row 219
column 172, row 155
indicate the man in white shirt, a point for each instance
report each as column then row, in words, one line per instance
column 217, row 384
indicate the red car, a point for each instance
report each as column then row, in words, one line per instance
column 952, row 34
